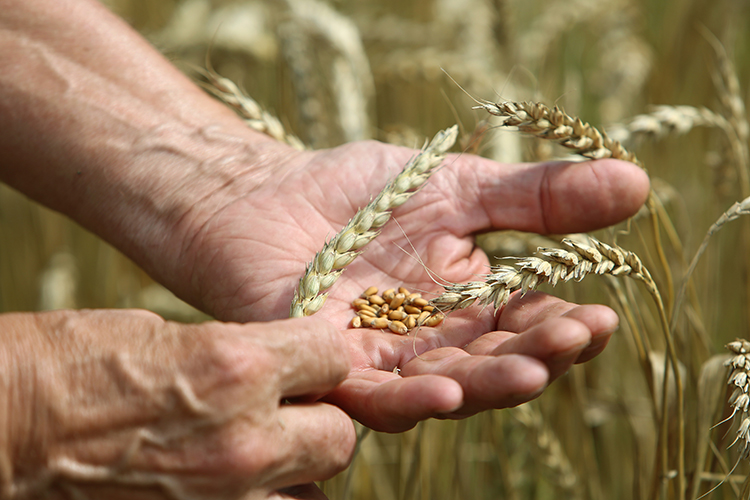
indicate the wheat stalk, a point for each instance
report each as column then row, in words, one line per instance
column 737, row 210
column 343, row 248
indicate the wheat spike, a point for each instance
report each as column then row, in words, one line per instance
column 249, row 110
column 739, row 377
column 666, row 120
column 553, row 124
column 343, row 248
column 548, row 265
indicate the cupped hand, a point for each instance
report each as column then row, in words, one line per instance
column 121, row 404
column 246, row 260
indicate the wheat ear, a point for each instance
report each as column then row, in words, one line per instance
column 539, row 120
column 666, row 120
column 343, row 248
column 548, row 265
column 247, row 108
column 586, row 140
column 739, row 377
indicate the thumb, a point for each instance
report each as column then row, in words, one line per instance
column 552, row 197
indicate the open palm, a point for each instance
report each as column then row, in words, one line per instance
column 247, row 259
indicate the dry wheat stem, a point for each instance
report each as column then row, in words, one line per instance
column 729, row 93
column 737, row 210
column 344, row 247
column 249, row 110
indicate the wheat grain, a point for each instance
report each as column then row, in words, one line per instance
column 343, row 248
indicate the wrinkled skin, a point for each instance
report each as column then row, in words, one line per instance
column 105, row 130
column 100, row 400
column 247, row 258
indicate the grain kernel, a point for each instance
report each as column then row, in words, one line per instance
column 423, row 317
column 389, row 294
column 403, row 290
column 428, row 308
column 366, row 314
column 360, row 302
column 376, row 299
column 379, row 323
column 412, row 297
column 356, row 322
column 396, row 315
column 397, row 327
column 370, row 291
column 365, row 307
column 435, row 320
column 397, row 300
column 385, row 309
column 420, row 302
column 412, row 310
column 410, row 322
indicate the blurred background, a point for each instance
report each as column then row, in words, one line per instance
column 338, row 71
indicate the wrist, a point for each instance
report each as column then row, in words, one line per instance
column 158, row 224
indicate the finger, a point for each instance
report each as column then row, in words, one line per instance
column 299, row 492
column 601, row 321
column 386, row 402
column 296, row 444
column 557, row 342
column 314, row 442
column 522, row 313
column 487, row 381
column 309, row 356
column 554, row 197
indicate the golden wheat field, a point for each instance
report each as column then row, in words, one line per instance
column 668, row 79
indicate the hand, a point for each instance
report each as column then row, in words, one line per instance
column 246, row 260
column 121, row 404
column 125, row 145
